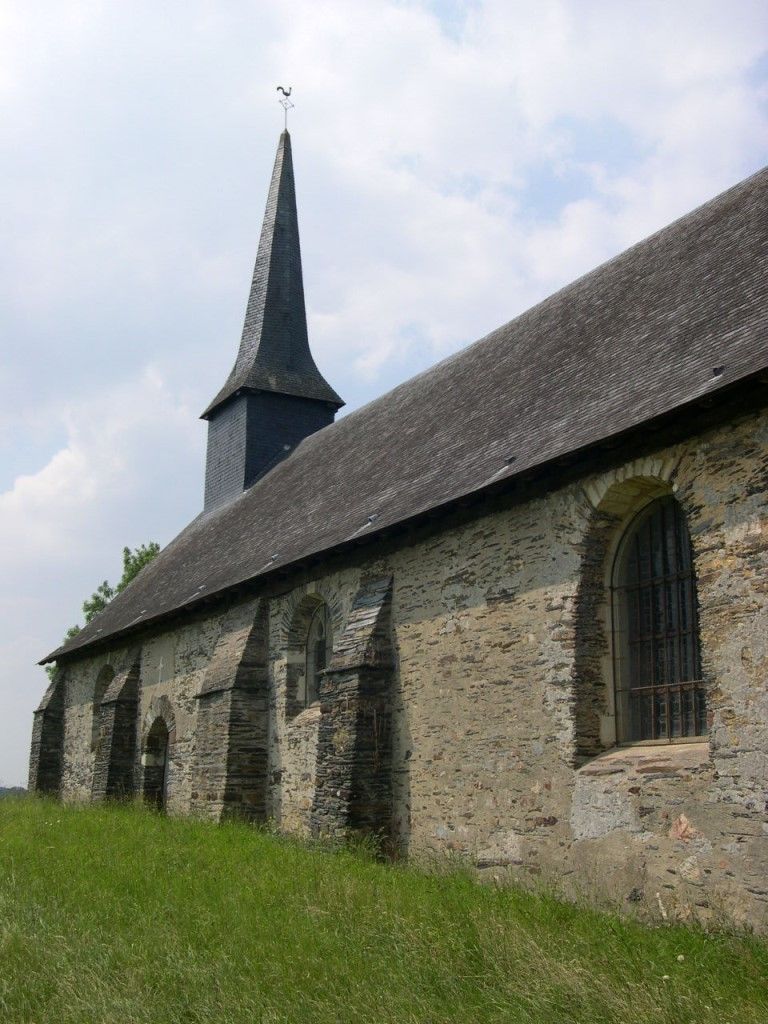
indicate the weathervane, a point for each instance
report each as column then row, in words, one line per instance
column 285, row 103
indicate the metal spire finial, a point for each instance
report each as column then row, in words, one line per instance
column 285, row 103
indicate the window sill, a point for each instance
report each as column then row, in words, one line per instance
column 650, row 759
column 675, row 742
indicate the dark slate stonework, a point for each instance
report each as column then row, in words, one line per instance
column 353, row 790
column 251, row 434
column 275, row 395
column 274, row 352
column 230, row 771
column 227, row 453
column 45, row 761
column 113, row 773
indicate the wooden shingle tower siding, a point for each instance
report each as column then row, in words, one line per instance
column 275, row 395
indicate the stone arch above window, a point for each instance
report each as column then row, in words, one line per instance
column 103, row 679
column 160, row 707
column 659, row 694
column 292, row 625
column 611, row 504
column 308, row 652
column 620, row 492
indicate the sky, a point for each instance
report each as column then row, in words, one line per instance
column 455, row 163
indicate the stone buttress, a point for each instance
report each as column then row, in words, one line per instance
column 45, row 761
column 230, row 771
column 353, row 790
column 114, row 768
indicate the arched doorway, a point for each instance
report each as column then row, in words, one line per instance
column 155, row 762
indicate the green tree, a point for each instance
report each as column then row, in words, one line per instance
column 133, row 562
column 98, row 601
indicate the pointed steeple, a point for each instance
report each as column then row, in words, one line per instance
column 274, row 350
column 275, row 396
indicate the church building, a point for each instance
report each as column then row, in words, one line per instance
column 516, row 609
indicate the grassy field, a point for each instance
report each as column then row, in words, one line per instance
column 120, row 915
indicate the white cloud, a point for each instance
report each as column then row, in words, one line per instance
column 128, row 473
column 113, row 455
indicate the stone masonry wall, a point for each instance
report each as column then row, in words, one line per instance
column 171, row 665
column 115, row 722
column 502, row 708
column 46, row 748
column 231, row 734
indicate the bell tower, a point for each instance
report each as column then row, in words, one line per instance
column 275, row 395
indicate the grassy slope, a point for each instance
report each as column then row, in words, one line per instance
column 120, row 915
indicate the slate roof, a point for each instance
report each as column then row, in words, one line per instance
column 634, row 339
column 274, row 350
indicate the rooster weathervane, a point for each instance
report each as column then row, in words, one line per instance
column 285, row 102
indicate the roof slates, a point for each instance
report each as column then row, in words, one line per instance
column 634, row 339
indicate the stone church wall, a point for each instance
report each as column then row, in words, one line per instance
column 79, row 753
column 502, row 718
column 171, row 666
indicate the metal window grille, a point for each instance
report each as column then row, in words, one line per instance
column 662, row 694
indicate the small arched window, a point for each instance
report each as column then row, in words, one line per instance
column 659, row 692
column 317, row 653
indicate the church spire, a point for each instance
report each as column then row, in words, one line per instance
column 275, row 396
column 274, row 350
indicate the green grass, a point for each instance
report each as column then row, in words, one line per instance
column 120, row 915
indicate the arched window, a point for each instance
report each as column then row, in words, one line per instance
column 317, row 653
column 659, row 692
column 104, row 678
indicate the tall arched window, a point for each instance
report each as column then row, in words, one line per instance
column 317, row 653
column 659, row 692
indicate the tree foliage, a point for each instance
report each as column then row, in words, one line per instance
column 133, row 562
